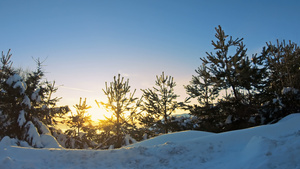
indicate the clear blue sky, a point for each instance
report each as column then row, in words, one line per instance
column 88, row 42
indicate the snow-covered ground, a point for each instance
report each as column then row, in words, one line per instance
column 269, row 146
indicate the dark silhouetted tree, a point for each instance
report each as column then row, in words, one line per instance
column 159, row 102
column 282, row 96
column 230, row 73
column 119, row 101
column 81, row 118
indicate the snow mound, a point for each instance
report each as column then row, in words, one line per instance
column 7, row 141
column 48, row 141
column 267, row 147
column 173, row 137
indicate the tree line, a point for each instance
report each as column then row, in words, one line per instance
column 233, row 91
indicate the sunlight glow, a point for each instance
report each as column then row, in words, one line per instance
column 98, row 113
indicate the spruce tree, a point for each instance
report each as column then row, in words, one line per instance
column 20, row 100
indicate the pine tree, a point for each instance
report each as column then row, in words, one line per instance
column 225, row 68
column 160, row 101
column 282, row 61
column 202, row 87
column 228, row 69
column 120, row 101
column 282, row 91
column 205, row 90
column 81, row 118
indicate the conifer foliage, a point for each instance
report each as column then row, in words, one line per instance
column 282, row 96
column 80, row 123
column 252, row 91
column 233, row 91
column 159, row 102
column 229, row 71
column 23, row 104
column 119, row 101
column 230, row 74
column 81, row 118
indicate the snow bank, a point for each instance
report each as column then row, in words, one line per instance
column 173, row 137
column 267, row 147
column 7, row 141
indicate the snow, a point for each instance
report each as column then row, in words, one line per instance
column 27, row 101
column 35, row 96
column 129, row 139
column 228, row 120
column 42, row 127
column 33, row 135
column 267, row 147
column 48, row 141
column 286, row 90
column 21, row 85
column 21, row 118
column 173, row 137
column 12, row 79
column 6, row 141
column 16, row 82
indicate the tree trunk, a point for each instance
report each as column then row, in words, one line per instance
column 166, row 124
column 118, row 132
column 166, row 118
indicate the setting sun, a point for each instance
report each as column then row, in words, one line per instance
column 98, row 113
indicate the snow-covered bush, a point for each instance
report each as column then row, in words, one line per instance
column 287, row 102
column 21, row 101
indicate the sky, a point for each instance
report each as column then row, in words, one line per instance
column 86, row 43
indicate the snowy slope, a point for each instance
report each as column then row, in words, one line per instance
column 270, row 146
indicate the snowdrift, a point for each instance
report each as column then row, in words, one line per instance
column 269, row 146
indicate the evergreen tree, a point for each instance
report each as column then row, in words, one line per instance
column 160, row 102
column 12, row 96
column 20, row 100
column 282, row 61
column 202, row 87
column 42, row 102
column 81, row 118
column 205, row 90
column 228, row 69
column 120, row 101
column 282, row 96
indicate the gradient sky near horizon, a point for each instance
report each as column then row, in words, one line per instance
column 86, row 43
